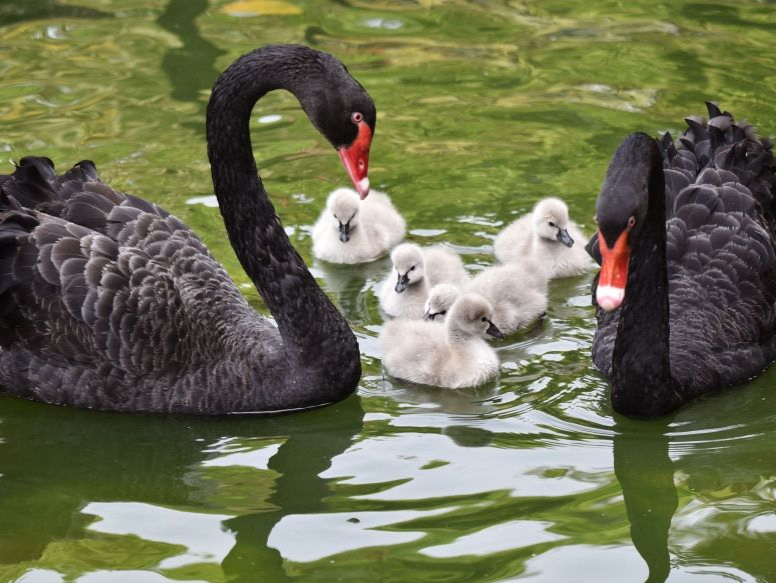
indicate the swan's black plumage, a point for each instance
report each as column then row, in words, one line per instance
column 699, row 312
column 107, row 301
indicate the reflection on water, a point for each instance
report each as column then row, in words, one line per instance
column 201, row 535
column 191, row 65
column 646, row 475
column 484, row 107
column 167, row 468
column 15, row 12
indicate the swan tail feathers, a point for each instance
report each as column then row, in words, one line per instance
column 719, row 151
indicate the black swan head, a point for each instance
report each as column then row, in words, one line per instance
column 336, row 104
column 636, row 171
column 344, row 113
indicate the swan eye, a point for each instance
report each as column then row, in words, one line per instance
column 412, row 268
column 443, row 312
column 357, row 117
column 631, row 223
column 553, row 224
column 484, row 319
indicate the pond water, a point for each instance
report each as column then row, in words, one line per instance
column 484, row 106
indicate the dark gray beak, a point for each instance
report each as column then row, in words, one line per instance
column 430, row 316
column 494, row 331
column 345, row 232
column 563, row 237
column 401, row 284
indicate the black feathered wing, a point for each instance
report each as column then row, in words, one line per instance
column 125, row 296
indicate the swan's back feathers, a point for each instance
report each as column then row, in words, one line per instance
column 120, row 294
column 716, row 152
column 720, row 256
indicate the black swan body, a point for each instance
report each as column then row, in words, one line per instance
column 109, row 302
column 686, row 296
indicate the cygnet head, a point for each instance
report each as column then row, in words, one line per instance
column 342, row 205
column 472, row 315
column 408, row 265
column 551, row 220
column 440, row 299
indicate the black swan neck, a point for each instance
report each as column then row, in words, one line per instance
column 642, row 384
column 316, row 338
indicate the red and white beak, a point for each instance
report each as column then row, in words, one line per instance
column 355, row 158
column 614, row 272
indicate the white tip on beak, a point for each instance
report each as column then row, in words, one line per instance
column 363, row 187
column 608, row 297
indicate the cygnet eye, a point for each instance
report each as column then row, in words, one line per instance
column 553, row 224
column 484, row 319
column 443, row 312
column 412, row 268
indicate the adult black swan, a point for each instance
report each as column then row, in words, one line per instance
column 109, row 302
column 686, row 295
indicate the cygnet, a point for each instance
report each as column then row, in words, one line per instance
column 452, row 354
column 351, row 230
column 440, row 299
column 548, row 236
column 415, row 270
column 518, row 294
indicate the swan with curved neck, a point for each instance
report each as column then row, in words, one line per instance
column 111, row 303
column 686, row 296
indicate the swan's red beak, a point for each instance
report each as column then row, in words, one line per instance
column 614, row 272
column 355, row 158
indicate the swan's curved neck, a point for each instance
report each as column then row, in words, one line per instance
column 642, row 384
column 308, row 322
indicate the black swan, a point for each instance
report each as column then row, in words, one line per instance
column 109, row 302
column 686, row 295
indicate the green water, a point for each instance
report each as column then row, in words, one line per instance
column 484, row 106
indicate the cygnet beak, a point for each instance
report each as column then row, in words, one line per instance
column 401, row 283
column 344, row 232
column 494, row 331
column 565, row 238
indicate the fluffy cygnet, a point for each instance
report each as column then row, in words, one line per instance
column 404, row 291
column 440, row 299
column 518, row 294
column 517, row 291
column 351, row 230
column 451, row 355
column 548, row 236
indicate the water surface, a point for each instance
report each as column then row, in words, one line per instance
column 483, row 108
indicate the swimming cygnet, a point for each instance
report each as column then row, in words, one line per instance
column 518, row 294
column 440, row 299
column 451, row 355
column 351, row 230
column 548, row 236
column 404, row 291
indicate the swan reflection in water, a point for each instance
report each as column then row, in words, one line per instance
column 167, row 468
column 697, row 472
